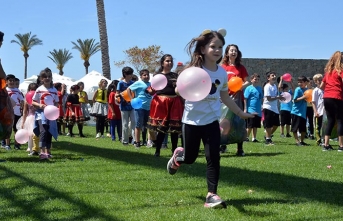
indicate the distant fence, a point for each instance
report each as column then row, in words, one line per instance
column 296, row 67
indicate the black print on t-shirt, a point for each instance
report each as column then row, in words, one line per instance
column 214, row 86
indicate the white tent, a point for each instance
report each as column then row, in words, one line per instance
column 91, row 82
column 55, row 77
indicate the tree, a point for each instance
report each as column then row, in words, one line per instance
column 60, row 58
column 105, row 59
column 87, row 48
column 26, row 42
column 142, row 58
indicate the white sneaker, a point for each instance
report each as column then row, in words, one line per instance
column 149, row 144
column 102, row 136
column 98, row 135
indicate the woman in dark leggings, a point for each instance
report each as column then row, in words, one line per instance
column 333, row 98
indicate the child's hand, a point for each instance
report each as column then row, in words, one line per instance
column 281, row 98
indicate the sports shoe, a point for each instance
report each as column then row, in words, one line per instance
column 340, row 149
column 102, row 136
column 98, row 135
column 246, row 139
column 327, row 148
column 311, row 137
column 269, row 142
column 288, row 135
column 43, row 156
column 240, row 153
column 137, row 145
column 173, row 165
column 49, row 156
column 125, row 143
column 17, row 146
column 303, row 143
column 223, row 149
column 33, row 153
column 7, row 147
column 157, row 154
column 255, row 140
column 282, row 135
column 149, row 144
column 214, row 201
column 164, row 146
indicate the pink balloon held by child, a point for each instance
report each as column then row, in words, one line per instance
column 287, row 77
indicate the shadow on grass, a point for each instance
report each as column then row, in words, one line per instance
column 293, row 186
column 33, row 208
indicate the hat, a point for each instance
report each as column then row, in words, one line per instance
column 179, row 64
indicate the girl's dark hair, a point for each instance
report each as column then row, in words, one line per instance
column 164, row 57
column 58, row 85
column 80, row 83
column 284, row 86
column 197, row 58
column 226, row 57
column 44, row 73
column 74, row 87
column 32, row 87
column 112, row 86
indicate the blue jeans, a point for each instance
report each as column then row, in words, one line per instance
column 113, row 125
column 142, row 117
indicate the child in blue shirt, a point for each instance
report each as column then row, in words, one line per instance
column 127, row 112
column 141, row 114
column 285, row 109
column 252, row 104
column 298, row 112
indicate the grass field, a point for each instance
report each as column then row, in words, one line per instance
column 90, row 179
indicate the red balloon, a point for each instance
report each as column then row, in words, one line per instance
column 29, row 96
column 287, row 77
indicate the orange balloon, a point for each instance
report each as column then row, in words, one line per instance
column 126, row 96
column 235, row 84
column 308, row 95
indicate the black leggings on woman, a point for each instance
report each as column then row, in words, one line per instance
column 333, row 109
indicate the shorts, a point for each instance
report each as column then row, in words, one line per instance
column 298, row 123
column 285, row 118
column 254, row 122
column 271, row 118
column 142, row 117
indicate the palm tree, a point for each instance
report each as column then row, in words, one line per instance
column 26, row 42
column 87, row 48
column 106, row 69
column 60, row 58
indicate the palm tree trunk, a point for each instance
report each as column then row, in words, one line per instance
column 25, row 68
column 86, row 64
column 106, row 69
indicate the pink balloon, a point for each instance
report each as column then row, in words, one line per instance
column 287, row 77
column 194, row 84
column 22, row 136
column 159, row 82
column 29, row 96
column 51, row 112
column 287, row 96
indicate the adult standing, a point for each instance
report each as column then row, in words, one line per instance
column 166, row 107
column 332, row 85
column 232, row 64
column 6, row 110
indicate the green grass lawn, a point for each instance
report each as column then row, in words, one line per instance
column 90, row 179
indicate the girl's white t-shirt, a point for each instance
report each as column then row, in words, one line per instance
column 270, row 90
column 47, row 92
column 206, row 111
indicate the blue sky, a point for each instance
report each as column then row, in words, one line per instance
column 262, row 29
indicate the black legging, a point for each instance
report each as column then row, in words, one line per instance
column 100, row 124
column 309, row 115
column 160, row 137
column 333, row 109
column 210, row 135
